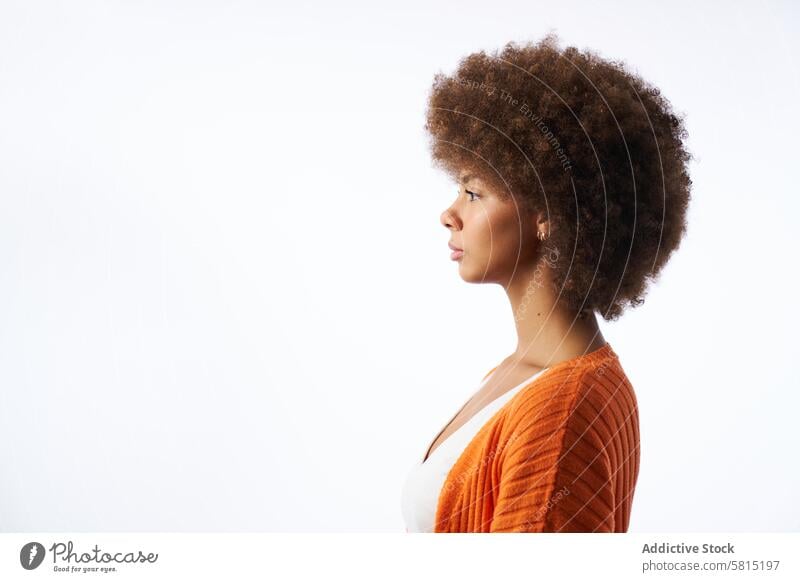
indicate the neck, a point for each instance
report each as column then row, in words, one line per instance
column 547, row 331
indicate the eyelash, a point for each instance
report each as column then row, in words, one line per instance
column 472, row 194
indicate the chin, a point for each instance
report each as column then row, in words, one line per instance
column 470, row 274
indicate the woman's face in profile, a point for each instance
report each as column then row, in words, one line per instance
column 497, row 235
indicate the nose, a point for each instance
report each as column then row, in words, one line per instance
column 449, row 219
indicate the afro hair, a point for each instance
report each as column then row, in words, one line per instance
column 586, row 141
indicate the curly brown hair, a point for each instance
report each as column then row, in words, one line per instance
column 583, row 139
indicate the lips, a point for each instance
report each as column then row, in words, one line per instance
column 457, row 252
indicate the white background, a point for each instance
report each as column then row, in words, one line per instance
column 226, row 300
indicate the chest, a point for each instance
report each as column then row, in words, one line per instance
column 499, row 383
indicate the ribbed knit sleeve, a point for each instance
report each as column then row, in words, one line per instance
column 571, row 461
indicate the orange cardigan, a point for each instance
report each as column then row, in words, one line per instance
column 561, row 456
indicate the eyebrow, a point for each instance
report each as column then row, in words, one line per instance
column 466, row 178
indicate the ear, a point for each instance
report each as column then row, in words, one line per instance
column 541, row 222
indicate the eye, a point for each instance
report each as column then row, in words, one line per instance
column 475, row 196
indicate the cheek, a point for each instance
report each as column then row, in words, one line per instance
column 482, row 232
column 505, row 237
column 499, row 235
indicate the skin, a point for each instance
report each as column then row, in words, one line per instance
column 499, row 239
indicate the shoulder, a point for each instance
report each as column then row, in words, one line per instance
column 569, row 451
column 579, row 397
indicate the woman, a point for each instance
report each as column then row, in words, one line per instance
column 573, row 191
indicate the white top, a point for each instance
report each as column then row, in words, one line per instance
column 420, row 494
